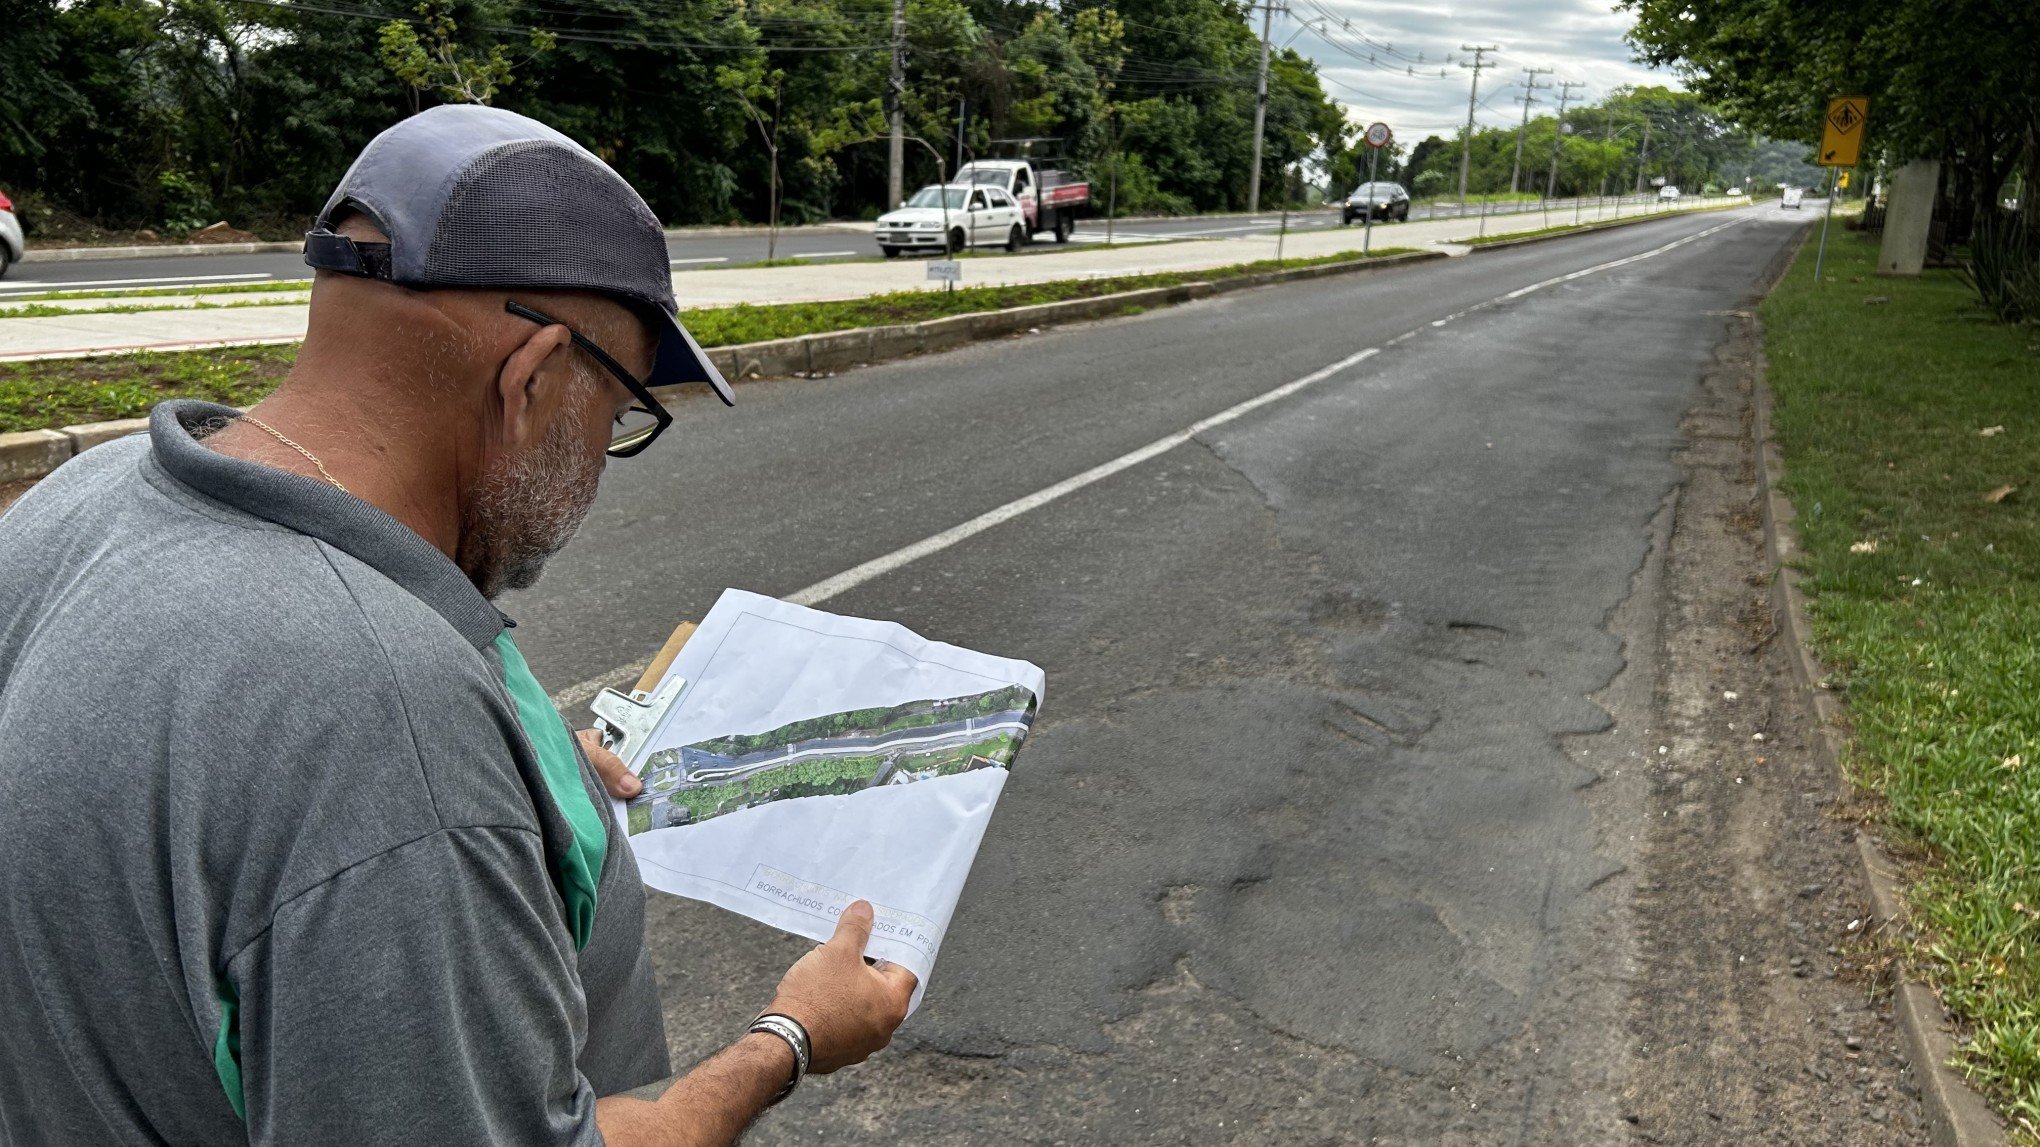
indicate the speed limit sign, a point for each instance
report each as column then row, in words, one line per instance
column 1378, row 135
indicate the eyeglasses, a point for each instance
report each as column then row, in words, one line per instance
column 635, row 427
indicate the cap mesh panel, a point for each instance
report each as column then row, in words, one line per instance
column 534, row 213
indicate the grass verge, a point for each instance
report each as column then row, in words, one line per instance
column 67, row 391
column 1590, row 224
column 50, row 311
column 60, row 292
column 1910, row 426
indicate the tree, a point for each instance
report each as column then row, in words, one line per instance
column 431, row 57
column 1956, row 80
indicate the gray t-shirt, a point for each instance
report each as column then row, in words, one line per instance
column 293, row 848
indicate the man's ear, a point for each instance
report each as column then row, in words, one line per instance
column 522, row 407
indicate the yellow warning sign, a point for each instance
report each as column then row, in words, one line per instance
column 1841, row 136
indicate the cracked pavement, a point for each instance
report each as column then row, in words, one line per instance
column 1330, row 827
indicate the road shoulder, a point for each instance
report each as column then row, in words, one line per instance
column 1760, row 1008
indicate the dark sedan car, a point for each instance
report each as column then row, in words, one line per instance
column 1378, row 200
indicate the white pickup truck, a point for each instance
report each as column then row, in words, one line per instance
column 1049, row 199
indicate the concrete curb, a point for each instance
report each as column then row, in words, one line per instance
column 1956, row 1115
column 34, row 453
column 156, row 251
column 1584, row 228
column 840, row 350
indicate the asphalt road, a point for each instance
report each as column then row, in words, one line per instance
column 1295, row 852
column 694, row 252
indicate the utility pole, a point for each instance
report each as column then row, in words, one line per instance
column 895, row 156
column 1466, row 143
column 962, row 122
column 1260, row 109
column 1643, row 157
column 1565, row 91
column 1530, row 89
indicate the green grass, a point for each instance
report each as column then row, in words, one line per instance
column 47, row 311
column 745, row 323
column 1926, row 604
column 298, row 285
column 63, row 392
column 1556, row 229
column 1478, row 197
column 1589, row 224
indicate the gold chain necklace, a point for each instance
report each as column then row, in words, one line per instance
column 311, row 457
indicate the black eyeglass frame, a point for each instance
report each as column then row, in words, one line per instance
column 638, row 390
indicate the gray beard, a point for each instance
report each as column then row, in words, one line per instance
column 523, row 514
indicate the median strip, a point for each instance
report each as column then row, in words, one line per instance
column 72, row 395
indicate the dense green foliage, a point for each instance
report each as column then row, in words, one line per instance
column 170, row 114
column 2004, row 266
column 70, row 392
column 1954, row 80
column 1897, row 432
column 1619, row 145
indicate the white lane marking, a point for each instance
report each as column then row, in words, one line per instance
column 849, row 579
column 684, row 262
column 57, row 287
column 822, row 254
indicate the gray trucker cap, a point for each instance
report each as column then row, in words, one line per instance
column 473, row 196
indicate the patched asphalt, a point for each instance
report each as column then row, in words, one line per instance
column 1296, row 852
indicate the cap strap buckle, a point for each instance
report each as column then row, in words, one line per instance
column 327, row 251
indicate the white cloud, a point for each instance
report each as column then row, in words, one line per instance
column 1580, row 40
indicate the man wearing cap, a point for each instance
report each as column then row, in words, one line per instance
column 293, row 847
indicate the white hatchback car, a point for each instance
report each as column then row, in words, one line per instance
column 12, row 247
column 1668, row 191
column 950, row 217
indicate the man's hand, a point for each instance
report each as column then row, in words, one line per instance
column 849, row 1008
column 616, row 776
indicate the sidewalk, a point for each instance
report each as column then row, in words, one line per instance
column 86, row 333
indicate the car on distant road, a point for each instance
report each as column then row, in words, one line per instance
column 1792, row 197
column 12, row 246
column 949, row 217
column 1668, row 191
column 1376, row 201
column 1735, row 191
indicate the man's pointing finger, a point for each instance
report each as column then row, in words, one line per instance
column 853, row 928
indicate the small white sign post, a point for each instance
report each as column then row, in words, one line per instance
column 949, row 271
column 1378, row 137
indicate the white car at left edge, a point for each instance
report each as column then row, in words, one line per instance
column 12, row 246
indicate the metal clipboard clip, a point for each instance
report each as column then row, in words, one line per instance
column 626, row 720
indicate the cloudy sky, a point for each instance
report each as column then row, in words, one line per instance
column 1580, row 40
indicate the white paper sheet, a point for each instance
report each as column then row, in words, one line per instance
column 908, row 775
